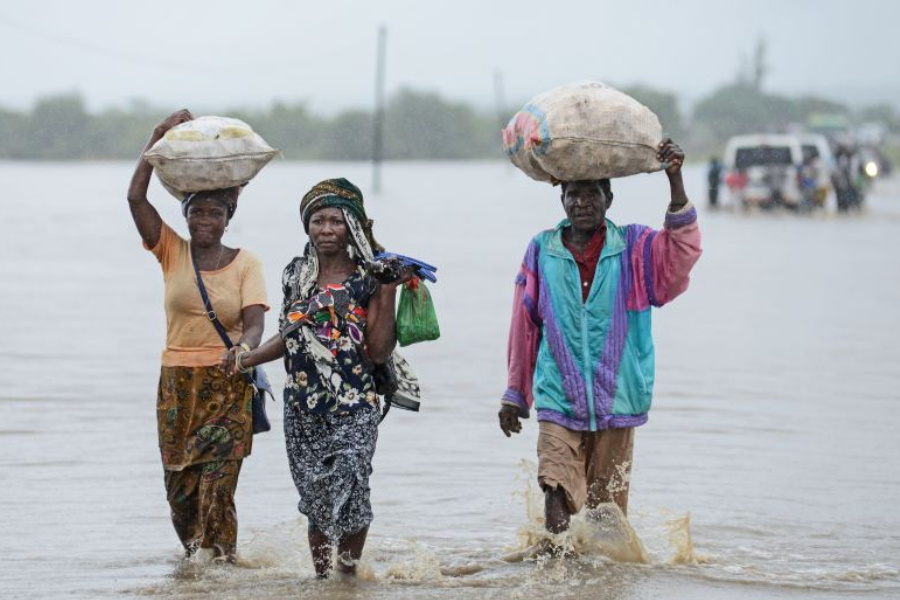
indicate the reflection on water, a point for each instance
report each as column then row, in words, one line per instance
column 769, row 466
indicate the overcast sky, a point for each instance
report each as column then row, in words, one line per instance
column 231, row 53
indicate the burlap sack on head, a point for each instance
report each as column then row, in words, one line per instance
column 208, row 153
column 583, row 131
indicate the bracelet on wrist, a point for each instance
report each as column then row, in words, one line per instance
column 239, row 364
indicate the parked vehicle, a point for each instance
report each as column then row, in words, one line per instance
column 764, row 170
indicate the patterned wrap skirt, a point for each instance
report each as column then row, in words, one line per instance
column 330, row 456
column 203, row 416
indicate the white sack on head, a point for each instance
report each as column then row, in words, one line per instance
column 583, row 131
column 208, row 153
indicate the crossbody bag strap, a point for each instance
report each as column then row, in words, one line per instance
column 220, row 329
column 210, row 313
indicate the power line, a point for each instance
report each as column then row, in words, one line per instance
column 122, row 56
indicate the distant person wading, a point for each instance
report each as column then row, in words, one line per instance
column 714, row 180
column 203, row 413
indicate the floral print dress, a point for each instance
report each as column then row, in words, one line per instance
column 330, row 415
column 337, row 316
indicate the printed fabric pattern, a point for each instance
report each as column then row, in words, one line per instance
column 336, row 316
column 201, row 499
column 299, row 282
column 330, row 458
column 203, row 416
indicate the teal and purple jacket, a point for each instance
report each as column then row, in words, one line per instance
column 589, row 365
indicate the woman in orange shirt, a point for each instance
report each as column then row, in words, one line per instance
column 203, row 414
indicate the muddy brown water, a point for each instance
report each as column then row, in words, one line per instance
column 770, row 466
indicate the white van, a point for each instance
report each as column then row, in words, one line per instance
column 763, row 170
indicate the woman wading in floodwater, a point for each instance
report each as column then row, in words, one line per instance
column 203, row 413
column 336, row 327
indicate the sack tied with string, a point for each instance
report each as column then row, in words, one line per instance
column 583, row 131
column 208, row 153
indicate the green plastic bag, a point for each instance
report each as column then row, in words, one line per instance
column 416, row 320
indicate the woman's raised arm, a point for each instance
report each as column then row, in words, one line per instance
column 146, row 218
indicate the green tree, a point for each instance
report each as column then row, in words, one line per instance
column 117, row 133
column 811, row 105
column 288, row 127
column 885, row 114
column 421, row 125
column 737, row 109
column 12, row 133
column 347, row 137
column 58, row 128
column 664, row 105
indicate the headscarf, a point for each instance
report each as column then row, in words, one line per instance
column 339, row 193
column 227, row 196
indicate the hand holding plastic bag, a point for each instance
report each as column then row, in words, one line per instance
column 416, row 319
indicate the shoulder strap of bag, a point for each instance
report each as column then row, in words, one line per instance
column 210, row 313
column 258, row 379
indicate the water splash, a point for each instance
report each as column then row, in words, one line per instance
column 604, row 531
column 422, row 566
column 679, row 529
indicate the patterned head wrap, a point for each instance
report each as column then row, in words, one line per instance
column 227, row 196
column 338, row 193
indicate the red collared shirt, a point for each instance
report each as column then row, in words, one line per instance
column 587, row 260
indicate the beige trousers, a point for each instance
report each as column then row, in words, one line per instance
column 592, row 467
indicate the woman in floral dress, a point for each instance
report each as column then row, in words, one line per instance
column 336, row 324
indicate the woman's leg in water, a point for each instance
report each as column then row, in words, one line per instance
column 350, row 550
column 320, row 548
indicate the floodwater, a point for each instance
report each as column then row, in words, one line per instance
column 770, row 467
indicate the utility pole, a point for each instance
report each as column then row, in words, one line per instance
column 378, row 115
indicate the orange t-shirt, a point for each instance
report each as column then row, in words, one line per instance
column 191, row 339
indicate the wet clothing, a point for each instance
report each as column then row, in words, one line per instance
column 337, row 317
column 330, row 407
column 318, row 324
column 592, row 467
column 191, row 340
column 201, row 499
column 330, row 457
column 331, row 411
column 588, row 365
column 203, row 416
column 585, row 360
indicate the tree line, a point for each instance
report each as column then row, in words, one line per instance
column 418, row 125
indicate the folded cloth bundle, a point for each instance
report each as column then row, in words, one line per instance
column 388, row 265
